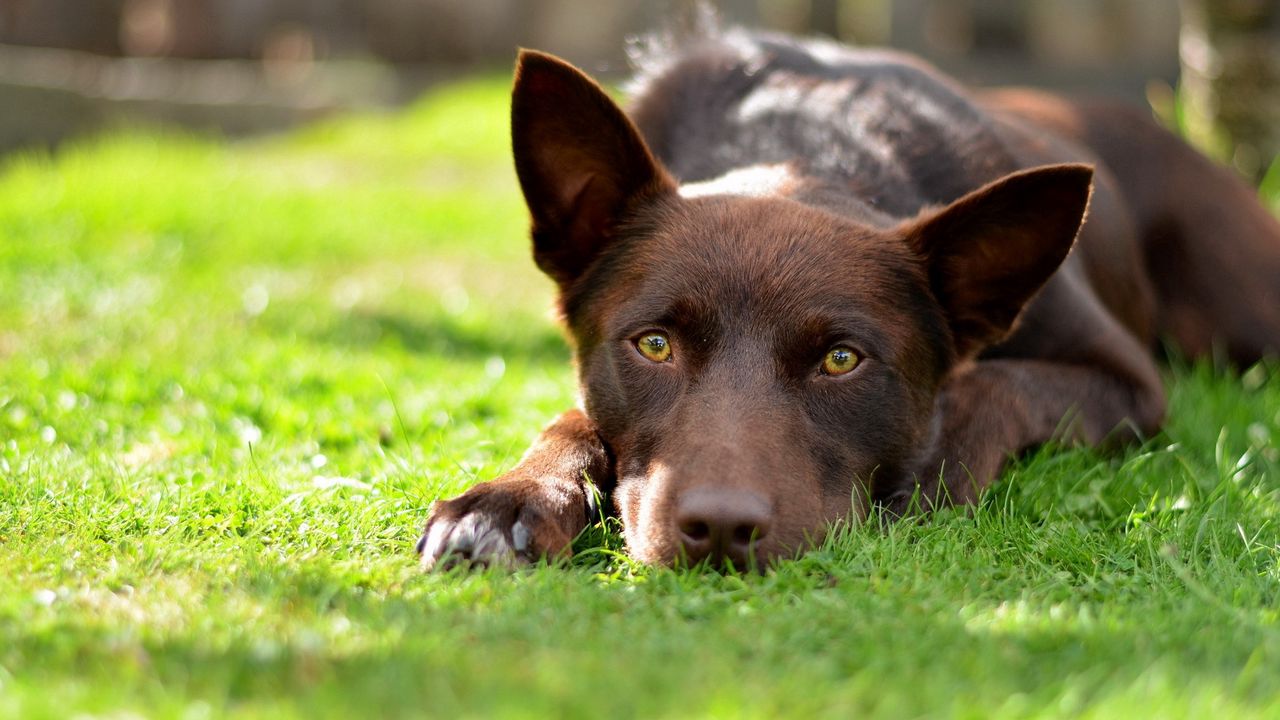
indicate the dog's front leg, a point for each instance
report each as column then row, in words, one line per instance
column 999, row 408
column 533, row 511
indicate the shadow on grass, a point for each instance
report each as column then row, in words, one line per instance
column 458, row 650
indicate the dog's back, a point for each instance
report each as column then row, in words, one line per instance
column 885, row 126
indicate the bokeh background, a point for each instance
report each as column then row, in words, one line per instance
column 242, row 66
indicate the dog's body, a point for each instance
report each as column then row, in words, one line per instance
column 823, row 314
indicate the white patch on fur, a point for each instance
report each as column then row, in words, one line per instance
column 754, row 181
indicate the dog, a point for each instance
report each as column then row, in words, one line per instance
column 802, row 280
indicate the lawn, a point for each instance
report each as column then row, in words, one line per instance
column 234, row 376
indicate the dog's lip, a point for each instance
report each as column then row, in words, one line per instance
column 763, row 558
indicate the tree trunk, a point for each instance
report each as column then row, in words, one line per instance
column 1231, row 80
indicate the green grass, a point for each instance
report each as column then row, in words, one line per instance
column 233, row 376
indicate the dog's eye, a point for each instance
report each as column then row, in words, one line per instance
column 839, row 360
column 655, row 347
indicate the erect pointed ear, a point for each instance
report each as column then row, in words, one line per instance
column 990, row 251
column 580, row 160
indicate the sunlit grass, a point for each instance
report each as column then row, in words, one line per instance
column 233, row 377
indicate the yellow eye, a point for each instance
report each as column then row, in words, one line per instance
column 655, row 347
column 839, row 360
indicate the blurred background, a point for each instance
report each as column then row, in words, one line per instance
column 242, row 66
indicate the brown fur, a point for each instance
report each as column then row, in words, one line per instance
column 834, row 198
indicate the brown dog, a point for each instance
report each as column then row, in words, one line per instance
column 866, row 285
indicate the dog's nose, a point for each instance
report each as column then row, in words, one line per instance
column 722, row 524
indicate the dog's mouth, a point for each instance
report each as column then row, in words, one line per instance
column 703, row 551
column 749, row 557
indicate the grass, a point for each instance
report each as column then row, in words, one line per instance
column 233, row 377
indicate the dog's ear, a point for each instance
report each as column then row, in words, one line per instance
column 990, row 251
column 580, row 160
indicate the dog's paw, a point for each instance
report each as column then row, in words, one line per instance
column 500, row 524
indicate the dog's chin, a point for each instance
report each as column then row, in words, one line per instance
column 654, row 554
column 667, row 552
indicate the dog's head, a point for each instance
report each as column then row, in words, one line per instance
column 758, row 365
